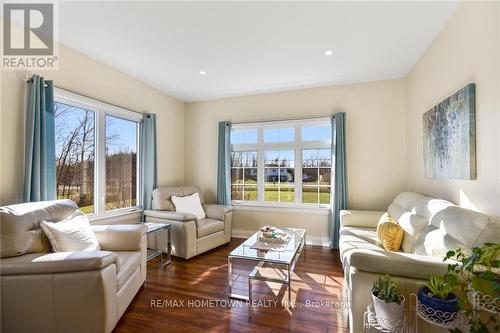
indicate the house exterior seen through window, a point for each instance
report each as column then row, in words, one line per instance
column 283, row 163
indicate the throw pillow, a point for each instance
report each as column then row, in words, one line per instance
column 190, row 204
column 71, row 234
column 389, row 233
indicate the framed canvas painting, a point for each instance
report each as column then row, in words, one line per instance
column 450, row 137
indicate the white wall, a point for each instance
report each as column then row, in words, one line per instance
column 384, row 123
column 83, row 75
column 375, row 144
column 466, row 50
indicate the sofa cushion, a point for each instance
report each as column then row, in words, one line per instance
column 128, row 263
column 209, row 226
column 451, row 228
column 412, row 212
column 60, row 262
column 189, row 204
column 162, row 196
column 71, row 234
column 435, row 242
column 402, row 203
column 490, row 234
column 389, row 233
column 355, row 238
column 20, row 230
column 463, row 224
column 396, row 263
column 169, row 215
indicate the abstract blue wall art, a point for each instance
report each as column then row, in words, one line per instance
column 450, row 137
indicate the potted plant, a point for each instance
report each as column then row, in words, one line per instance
column 387, row 302
column 485, row 270
column 477, row 270
column 438, row 298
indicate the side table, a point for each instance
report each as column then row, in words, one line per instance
column 156, row 228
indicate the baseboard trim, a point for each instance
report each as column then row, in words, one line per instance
column 311, row 239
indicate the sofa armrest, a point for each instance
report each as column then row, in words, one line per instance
column 58, row 262
column 217, row 212
column 120, row 237
column 360, row 218
column 170, row 215
column 397, row 263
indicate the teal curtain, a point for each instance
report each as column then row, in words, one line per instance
column 339, row 193
column 149, row 168
column 40, row 148
column 223, row 166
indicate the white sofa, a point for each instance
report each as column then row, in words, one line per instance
column 191, row 236
column 82, row 291
column 431, row 228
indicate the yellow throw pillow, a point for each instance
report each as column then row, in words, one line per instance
column 389, row 233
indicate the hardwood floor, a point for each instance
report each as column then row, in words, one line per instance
column 172, row 299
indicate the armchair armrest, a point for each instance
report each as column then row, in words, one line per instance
column 170, row 215
column 120, row 237
column 217, row 212
column 58, row 262
column 397, row 263
column 360, row 218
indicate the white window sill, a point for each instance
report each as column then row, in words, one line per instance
column 282, row 209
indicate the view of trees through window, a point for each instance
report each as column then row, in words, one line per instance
column 121, row 163
column 76, row 152
column 75, row 155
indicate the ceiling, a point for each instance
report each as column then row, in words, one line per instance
column 252, row 47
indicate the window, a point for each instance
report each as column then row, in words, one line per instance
column 279, row 176
column 244, row 135
column 316, row 175
column 75, row 153
column 286, row 163
column 280, row 134
column 97, row 149
column 244, row 175
column 121, row 163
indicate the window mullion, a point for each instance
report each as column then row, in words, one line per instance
column 260, row 166
column 139, row 172
column 298, row 166
column 319, row 194
column 100, row 180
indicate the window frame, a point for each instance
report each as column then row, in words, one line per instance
column 101, row 110
column 297, row 146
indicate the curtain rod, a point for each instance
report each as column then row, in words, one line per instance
column 276, row 120
column 28, row 79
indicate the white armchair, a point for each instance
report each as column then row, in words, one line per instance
column 82, row 291
column 191, row 236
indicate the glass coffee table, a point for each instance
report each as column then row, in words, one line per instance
column 266, row 261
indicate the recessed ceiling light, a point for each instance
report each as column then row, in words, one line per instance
column 328, row 52
column 203, row 72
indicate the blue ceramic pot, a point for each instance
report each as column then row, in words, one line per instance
column 435, row 304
